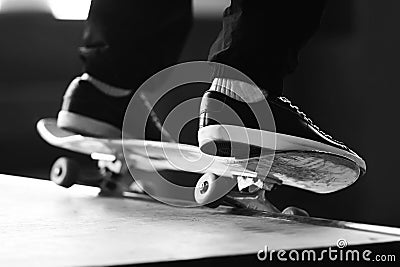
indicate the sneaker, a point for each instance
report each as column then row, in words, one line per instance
column 93, row 108
column 89, row 110
column 235, row 122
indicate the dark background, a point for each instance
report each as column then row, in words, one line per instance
column 347, row 81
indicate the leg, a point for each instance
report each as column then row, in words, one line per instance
column 125, row 42
column 262, row 38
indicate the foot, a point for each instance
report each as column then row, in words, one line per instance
column 237, row 119
column 91, row 107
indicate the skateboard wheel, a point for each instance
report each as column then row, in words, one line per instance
column 209, row 190
column 64, row 172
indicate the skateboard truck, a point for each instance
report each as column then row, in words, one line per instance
column 115, row 175
column 252, row 201
column 109, row 163
column 209, row 189
column 255, row 198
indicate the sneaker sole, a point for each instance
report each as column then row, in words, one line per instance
column 86, row 126
column 241, row 142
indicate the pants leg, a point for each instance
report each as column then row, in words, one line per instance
column 262, row 39
column 127, row 41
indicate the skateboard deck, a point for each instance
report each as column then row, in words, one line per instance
column 310, row 170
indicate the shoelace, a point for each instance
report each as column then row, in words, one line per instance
column 156, row 120
column 310, row 122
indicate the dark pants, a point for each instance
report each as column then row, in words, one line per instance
column 127, row 41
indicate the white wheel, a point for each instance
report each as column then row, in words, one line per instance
column 64, row 172
column 210, row 189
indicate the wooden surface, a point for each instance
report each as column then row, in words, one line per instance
column 42, row 224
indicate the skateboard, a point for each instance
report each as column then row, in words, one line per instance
column 314, row 171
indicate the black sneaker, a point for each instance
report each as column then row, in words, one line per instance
column 89, row 110
column 238, row 120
